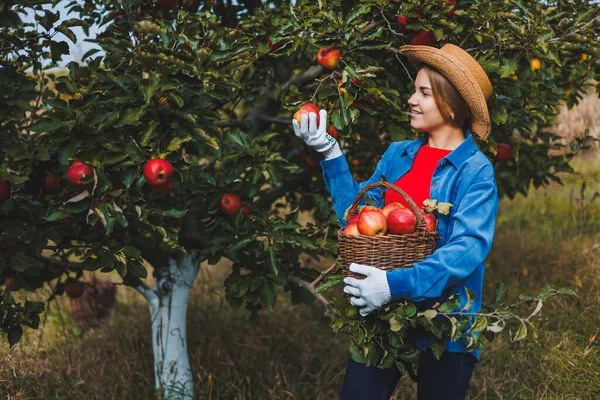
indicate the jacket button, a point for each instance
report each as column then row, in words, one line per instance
column 435, row 185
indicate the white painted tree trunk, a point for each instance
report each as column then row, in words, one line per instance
column 168, row 302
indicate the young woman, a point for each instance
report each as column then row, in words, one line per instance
column 448, row 105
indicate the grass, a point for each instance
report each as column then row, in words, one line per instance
column 553, row 235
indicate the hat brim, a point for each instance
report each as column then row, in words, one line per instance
column 460, row 77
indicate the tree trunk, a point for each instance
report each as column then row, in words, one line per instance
column 168, row 302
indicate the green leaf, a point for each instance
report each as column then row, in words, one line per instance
column 269, row 296
column 46, row 125
column 57, row 49
column 428, row 314
column 501, row 293
column 14, row 335
column 567, row 291
column 395, row 325
column 437, row 347
column 479, row 325
column 130, row 116
column 451, row 304
column 470, row 299
column 206, row 138
column 509, row 68
column 272, row 260
column 521, row 333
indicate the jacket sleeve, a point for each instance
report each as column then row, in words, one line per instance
column 468, row 245
column 344, row 188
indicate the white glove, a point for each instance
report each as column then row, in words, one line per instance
column 317, row 137
column 369, row 293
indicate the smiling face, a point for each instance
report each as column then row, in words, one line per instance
column 426, row 116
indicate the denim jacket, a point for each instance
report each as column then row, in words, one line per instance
column 465, row 178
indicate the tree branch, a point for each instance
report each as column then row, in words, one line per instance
column 289, row 184
column 283, row 121
column 58, row 263
column 323, row 274
column 306, row 285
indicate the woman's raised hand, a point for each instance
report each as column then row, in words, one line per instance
column 313, row 135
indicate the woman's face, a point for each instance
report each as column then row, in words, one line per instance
column 425, row 116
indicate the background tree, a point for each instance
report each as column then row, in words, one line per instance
column 211, row 88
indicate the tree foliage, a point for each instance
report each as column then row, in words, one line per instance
column 211, row 87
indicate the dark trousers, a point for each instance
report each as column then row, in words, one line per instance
column 444, row 379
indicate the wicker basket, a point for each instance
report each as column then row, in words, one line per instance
column 389, row 251
column 96, row 302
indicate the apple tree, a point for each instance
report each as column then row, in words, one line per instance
column 125, row 156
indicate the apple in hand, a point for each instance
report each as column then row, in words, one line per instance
column 372, row 223
column 307, row 109
column 351, row 229
column 4, row 191
column 391, row 206
column 78, row 171
column 401, row 221
column 328, row 57
column 158, row 172
column 230, row 203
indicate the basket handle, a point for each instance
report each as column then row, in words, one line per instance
column 421, row 224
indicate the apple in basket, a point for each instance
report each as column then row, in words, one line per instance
column 352, row 219
column 366, row 208
column 430, row 222
column 391, row 206
column 351, row 229
column 372, row 222
column 401, row 221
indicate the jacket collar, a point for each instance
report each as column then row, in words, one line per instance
column 458, row 156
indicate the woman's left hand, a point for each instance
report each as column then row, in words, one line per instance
column 369, row 293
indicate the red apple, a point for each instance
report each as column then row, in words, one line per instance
column 273, row 46
column 401, row 221
column 78, row 171
column 328, row 57
column 306, row 109
column 423, row 38
column 372, row 223
column 332, row 131
column 356, row 82
column 430, row 222
column 504, row 151
column 158, row 172
column 403, row 19
column 391, row 206
column 351, row 229
column 352, row 219
column 4, row 191
column 74, row 289
column 245, row 211
column 52, row 184
column 362, row 209
column 166, row 188
column 230, row 203
column 452, row 8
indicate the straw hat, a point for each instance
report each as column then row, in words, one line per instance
column 465, row 73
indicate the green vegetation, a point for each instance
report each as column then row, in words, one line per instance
column 553, row 235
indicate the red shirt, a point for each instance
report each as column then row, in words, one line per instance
column 417, row 181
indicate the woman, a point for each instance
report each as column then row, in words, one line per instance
column 449, row 102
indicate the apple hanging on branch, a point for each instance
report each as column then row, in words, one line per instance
column 78, row 171
column 328, row 57
column 158, row 172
